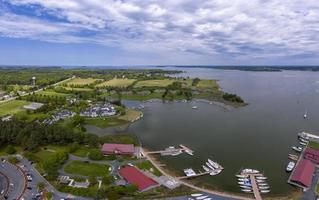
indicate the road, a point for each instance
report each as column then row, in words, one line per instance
column 211, row 193
column 36, row 91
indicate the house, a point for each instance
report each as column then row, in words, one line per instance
column 302, row 175
column 119, row 149
column 133, row 176
column 33, row 106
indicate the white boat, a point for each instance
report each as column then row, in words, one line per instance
column 215, row 172
column 264, row 191
column 244, row 183
column 208, row 199
column 206, row 168
column 298, row 149
column 202, row 197
column 303, row 143
column 290, row 166
column 243, row 179
column 252, row 171
column 214, row 164
column 260, row 181
column 303, row 140
column 245, row 187
column 194, row 107
column 196, row 195
column 305, row 115
column 246, row 190
column 262, row 184
column 263, row 187
column 261, row 177
column 210, row 166
column 241, row 176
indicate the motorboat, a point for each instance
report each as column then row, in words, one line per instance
column 246, row 190
column 215, row 172
column 206, row 168
column 214, row 164
column 244, row 183
column 210, row 166
column 298, row 149
column 290, row 166
column 261, row 177
column 241, row 176
column 305, row 115
column 260, row 181
column 196, row 195
column 245, row 187
column 263, row 187
column 208, row 199
column 264, row 191
column 251, row 171
column 243, row 179
column 303, row 140
column 303, row 143
column 194, row 107
column 262, row 184
column 201, row 197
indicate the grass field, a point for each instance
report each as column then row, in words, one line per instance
column 154, row 83
column 81, row 81
column 53, row 93
column 105, row 122
column 82, row 151
column 208, row 84
column 131, row 115
column 11, row 107
column 147, row 165
column 122, row 83
column 86, row 169
column 313, row 145
column 78, row 89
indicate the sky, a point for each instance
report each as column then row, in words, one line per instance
column 159, row 32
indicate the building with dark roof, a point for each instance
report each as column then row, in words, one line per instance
column 119, row 149
column 303, row 173
column 136, row 177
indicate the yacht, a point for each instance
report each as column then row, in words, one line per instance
column 290, row 166
column 214, row 164
column 298, row 149
column 210, row 166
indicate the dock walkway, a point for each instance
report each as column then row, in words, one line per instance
column 255, row 187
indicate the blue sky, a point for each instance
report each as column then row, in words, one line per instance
column 159, row 32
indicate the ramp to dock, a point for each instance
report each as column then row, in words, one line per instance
column 255, row 187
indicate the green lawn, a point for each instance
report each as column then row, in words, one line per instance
column 313, row 145
column 130, row 115
column 122, row 83
column 81, row 81
column 82, row 151
column 29, row 117
column 12, row 107
column 53, row 93
column 154, row 83
column 105, row 122
column 78, row 89
column 86, row 169
column 208, row 84
column 147, row 165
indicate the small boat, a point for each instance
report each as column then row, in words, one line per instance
column 262, row 184
column 261, row 177
column 208, row 199
column 201, row 197
column 264, row 187
column 215, row 172
column 214, row 164
column 251, row 171
column 210, row 166
column 260, row 181
column 243, row 179
column 290, row 166
column 194, row 107
column 303, row 140
column 196, row 195
column 244, row 183
column 298, row 149
column 305, row 115
column 245, row 187
column 246, row 190
column 206, row 168
column 264, row 191
column 241, row 176
column 303, row 143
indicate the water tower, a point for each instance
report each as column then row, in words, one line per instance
column 33, row 80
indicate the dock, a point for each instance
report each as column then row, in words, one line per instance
column 255, row 187
column 172, row 151
column 197, row 175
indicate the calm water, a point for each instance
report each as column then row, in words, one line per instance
column 258, row 136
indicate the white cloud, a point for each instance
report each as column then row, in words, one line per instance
column 240, row 28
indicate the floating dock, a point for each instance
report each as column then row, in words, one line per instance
column 172, row 151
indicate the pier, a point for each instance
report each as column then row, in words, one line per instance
column 194, row 176
column 255, row 186
column 172, row 151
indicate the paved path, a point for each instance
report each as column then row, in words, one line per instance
column 215, row 194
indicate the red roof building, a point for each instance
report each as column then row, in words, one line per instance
column 312, row 154
column 134, row 176
column 120, row 149
column 303, row 173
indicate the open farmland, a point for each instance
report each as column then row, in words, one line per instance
column 154, row 83
column 81, row 81
column 122, row 83
column 208, row 84
column 11, row 107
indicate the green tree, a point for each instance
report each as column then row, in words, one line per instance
column 10, row 150
column 96, row 154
